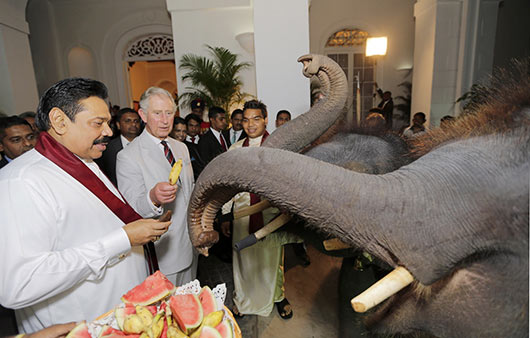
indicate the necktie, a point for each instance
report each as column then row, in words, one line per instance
column 168, row 153
column 193, row 139
column 223, row 144
column 233, row 137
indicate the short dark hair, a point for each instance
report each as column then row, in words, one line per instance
column 236, row 112
column 27, row 114
column 66, row 95
column 283, row 112
column 124, row 111
column 214, row 111
column 193, row 117
column 447, row 118
column 420, row 114
column 179, row 120
column 10, row 121
column 255, row 104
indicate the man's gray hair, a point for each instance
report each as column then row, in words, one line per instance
column 151, row 91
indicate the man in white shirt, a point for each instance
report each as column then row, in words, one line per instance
column 16, row 137
column 193, row 124
column 128, row 123
column 70, row 245
column 142, row 170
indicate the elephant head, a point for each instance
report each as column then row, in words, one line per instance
column 456, row 218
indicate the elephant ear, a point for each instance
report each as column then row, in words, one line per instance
column 304, row 129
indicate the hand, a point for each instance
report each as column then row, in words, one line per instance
column 162, row 193
column 225, row 228
column 145, row 230
column 55, row 331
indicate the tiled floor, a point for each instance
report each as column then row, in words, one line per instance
column 312, row 292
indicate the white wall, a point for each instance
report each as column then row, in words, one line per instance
column 281, row 34
column 18, row 90
column 390, row 18
column 215, row 23
column 102, row 27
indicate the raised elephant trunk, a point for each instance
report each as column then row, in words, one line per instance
column 300, row 132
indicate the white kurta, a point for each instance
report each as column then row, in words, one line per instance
column 258, row 270
column 139, row 167
column 64, row 255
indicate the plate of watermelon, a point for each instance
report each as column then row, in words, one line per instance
column 157, row 309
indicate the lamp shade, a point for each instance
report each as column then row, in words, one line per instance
column 246, row 41
column 376, row 46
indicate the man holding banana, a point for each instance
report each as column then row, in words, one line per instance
column 142, row 171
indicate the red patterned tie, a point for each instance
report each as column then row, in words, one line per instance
column 193, row 139
column 168, row 153
column 223, row 144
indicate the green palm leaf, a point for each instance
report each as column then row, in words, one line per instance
column 214, row 80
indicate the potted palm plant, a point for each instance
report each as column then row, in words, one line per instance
column 214, row 80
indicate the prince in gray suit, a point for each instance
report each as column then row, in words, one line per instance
column 142, row 170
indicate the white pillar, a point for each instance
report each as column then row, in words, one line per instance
column 453, row 49
column 18, row 88
column 281, row 34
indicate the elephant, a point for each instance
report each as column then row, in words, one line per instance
column 456, row 217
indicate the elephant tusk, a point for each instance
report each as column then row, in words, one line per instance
column 272, row 226
column 335, row 244
column 263, row 232
column 250, row 210
column 389, row 285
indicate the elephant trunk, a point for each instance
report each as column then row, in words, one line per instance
column 401, row 217
column 300, row 132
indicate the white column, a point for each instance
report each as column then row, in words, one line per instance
column 18, row 88
column 454, row 44
column 281, row 34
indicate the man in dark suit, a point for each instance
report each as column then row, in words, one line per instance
column 387, row 107
column 16, row 137
column 213, row 143
column 236, row 133
column 128, row 123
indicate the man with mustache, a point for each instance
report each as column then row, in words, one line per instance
column 143, row 168
column 70, row 244
column 128, row 123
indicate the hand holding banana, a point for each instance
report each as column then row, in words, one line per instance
column 165, row 192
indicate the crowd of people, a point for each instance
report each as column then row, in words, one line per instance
column 84, row 204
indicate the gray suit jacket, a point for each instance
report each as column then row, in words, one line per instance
column 139, row 167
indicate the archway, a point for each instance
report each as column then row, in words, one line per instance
column 149, row 61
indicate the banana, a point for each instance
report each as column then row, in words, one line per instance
column 212, row 319
column 174, row 332
column 155, row 330
column 133, row 324
column 145, row 315
column 175, row 172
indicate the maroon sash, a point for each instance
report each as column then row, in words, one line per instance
column 256, row 220
column 66, row 160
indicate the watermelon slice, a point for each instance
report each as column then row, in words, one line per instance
column 121, row 312
column 108, row 331
column 210, row 332
column 225, row 329
column 187, row 311
column 80, row 331
column 208, row 301
column 153, row 289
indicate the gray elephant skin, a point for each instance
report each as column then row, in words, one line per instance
column 456, row 217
